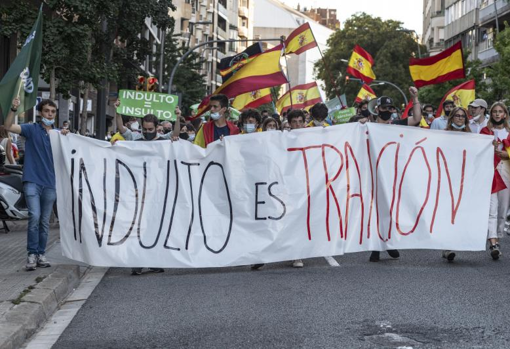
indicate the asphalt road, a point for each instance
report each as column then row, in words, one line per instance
column 419, row 301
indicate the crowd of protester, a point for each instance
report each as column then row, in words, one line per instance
column 477, row 118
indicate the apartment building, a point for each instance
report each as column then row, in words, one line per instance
column 325, row 16
column 199, row 21
column 433, row 25
column 475, row 23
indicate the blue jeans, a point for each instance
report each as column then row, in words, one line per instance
column 40, row 202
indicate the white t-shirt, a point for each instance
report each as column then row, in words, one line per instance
column 477, row 127
column 500, row 135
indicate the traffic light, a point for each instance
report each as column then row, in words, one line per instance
column 152, row 84
column 347, row 79
column 140, row 83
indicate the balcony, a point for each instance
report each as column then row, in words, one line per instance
column 488, row 56
column 221, row 33
column 186, row 11
column 243, row 32
column 244, row 12
column 222, row 10
column 487, row 14
column 469, row 20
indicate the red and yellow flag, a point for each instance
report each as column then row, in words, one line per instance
column 445, row 66
column 365, row 94
column 263, row 71
column 300, row 40
column 302, row 96
column 360, row 65
column 461, row 96
column 252, row 99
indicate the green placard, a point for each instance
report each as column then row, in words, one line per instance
column 139, row 104
column 343, row 116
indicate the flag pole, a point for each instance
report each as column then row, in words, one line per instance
column 328, row 72
column 19, row 87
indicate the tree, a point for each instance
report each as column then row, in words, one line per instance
column 388, row 42
column 499, row 73
column 187, row 80
column 88, row 41
column 433, row 94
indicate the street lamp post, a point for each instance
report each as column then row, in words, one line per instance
column 382, row 82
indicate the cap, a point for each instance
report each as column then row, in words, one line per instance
column 385, row 101
column 479, row 103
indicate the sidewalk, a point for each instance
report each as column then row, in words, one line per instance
column 28, row 299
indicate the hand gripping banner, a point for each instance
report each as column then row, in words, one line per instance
column 272, row 196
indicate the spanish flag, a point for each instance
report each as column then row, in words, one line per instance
column 303, row 96
column 445, row 66
column 252, row 99
column 300, row 40
column 365, row 94
column 360, row 65
column 263, row 71
column 461, row 96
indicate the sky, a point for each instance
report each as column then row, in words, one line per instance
column 410, row 12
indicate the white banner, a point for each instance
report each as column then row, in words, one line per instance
column 272, row 196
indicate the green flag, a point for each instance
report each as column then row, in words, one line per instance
column 22, row 77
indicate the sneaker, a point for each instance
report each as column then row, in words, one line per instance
column 31, row 262
column 495, row 252
column 157, row 270
column 298, row 263
column 42, row 261
column 449, row 255
column 394, row 253
column 136, row 271
column 257, row 266
column 375, row 256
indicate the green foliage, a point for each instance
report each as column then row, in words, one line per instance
column 74, row 44
column 499, row 73
column 388, row 43
column 434, row 93
column 187, row 79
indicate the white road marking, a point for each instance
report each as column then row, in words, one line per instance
column 332, row 261
column 46, row 337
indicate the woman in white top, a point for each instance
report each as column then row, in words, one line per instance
column 499, row 128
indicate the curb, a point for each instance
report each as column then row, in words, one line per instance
column 22, row 320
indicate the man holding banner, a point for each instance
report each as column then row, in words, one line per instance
column 38, row 178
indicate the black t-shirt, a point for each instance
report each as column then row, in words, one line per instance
column 221, row 131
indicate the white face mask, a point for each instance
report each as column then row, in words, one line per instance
column 249, row 128
column 430, row 115
column 191, row 137
column 215, row 116
column 135, row 126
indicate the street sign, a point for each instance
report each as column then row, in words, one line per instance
column 140, row 103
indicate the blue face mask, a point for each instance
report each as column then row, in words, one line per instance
column 48, row 122
column 249, row 128
column 458, row 127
